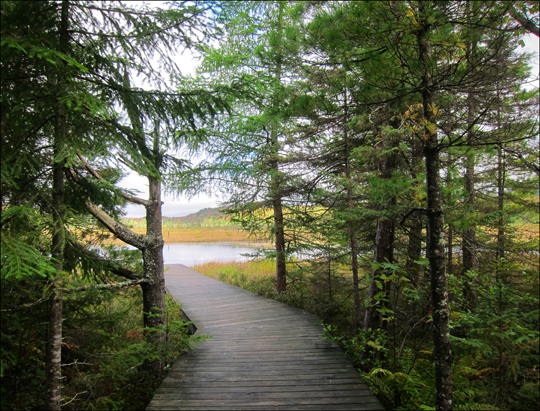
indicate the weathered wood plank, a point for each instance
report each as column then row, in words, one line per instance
column 336, row 407
column 216, row 388
column 326, row 403
column 263, row 355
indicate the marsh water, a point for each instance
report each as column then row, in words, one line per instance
column 191, row 254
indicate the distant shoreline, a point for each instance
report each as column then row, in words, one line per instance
column 200, row 235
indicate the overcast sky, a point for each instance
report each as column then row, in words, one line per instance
column 181, row 206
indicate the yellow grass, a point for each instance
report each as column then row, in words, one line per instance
column 250, row 270
column 202, row 235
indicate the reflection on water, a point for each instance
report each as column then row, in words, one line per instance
column 191, row 254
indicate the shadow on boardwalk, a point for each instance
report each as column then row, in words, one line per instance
column 264, row 355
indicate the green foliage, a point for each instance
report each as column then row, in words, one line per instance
column 496, row 347
column 105, row 354
column 313, row 136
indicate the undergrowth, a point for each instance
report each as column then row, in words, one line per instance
column 105, row 356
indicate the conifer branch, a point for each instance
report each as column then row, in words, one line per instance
column 121, row 271
column 125, row 195
column 106, row 286
column 531, row 166
column 524, row 22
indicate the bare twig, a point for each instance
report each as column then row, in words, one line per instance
column 412, row 210
column 70, row 401
column 106, row 286
column 96, row 175
column 26, row 306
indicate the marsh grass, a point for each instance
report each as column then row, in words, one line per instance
column 240, row 274
column 198, row 235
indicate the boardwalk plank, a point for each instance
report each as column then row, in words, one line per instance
column 263, row 355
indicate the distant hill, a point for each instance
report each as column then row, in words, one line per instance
column 206, row 218
column 197, row 217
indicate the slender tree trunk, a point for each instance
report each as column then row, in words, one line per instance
column 54, row 346
column 435, row 249
column 450, row 231
column 281, row 266
column 384, row 246
column 54, row 353
column 350, row 205
column 499, row 255
column 329, row 276
column 279, row 228
column 414, row 249
column 384, row 253
column 450, row 248
column 414, row 244
column 470, row 259
column 469, row 234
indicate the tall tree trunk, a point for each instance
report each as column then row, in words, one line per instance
column 450, row 231
column 384, row 253
column 414, row 249
column 384, row 245
column 281, row 267
column 501, row 171
column 54, row 352
column 154, row 289
column 450, row 248
column 414, row 243
column 501, row 177
column 350, row 205
column 54, row 346
column 470, row 259
column 435, row 248
column 279, row 228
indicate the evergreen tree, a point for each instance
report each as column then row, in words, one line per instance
column 76, row 66
column 252, row 151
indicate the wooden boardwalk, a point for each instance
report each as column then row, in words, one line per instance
column 264, row 355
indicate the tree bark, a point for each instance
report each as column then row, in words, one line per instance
column 435, row 247
column 154, row 288
column 54, row 346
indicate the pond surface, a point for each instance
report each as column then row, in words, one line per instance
column 190, row 254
